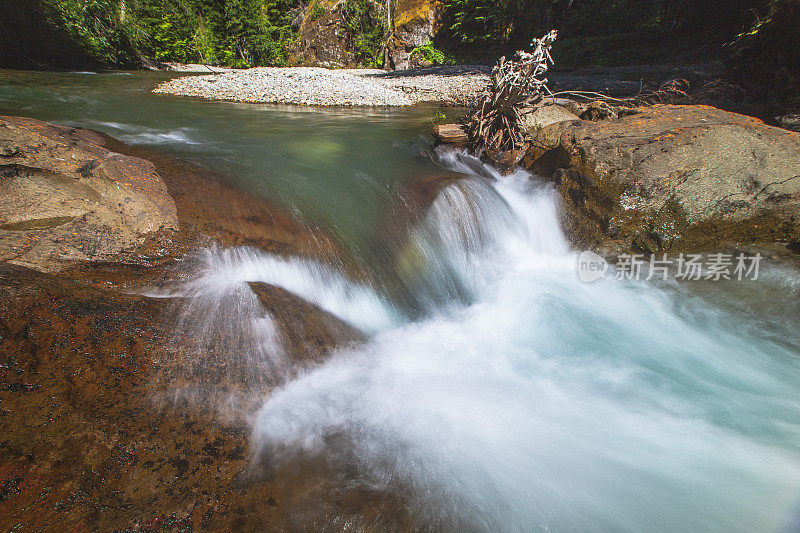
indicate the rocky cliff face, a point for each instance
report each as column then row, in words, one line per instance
column 323, row 40
column 414, row 25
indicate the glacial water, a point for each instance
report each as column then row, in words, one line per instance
column 495, row 390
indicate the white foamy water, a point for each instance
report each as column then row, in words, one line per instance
column 543, row 403
column 216, row 305
column 135, row 134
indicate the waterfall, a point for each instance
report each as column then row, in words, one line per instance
column 524, row 399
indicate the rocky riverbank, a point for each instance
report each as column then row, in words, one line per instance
column 449, row 85
column 653, row 179
column 668, row 178
column 101, row 375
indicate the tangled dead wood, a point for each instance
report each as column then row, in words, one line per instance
column 671, row 91
column 496, row 127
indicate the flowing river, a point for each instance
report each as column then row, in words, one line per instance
column 495, row 391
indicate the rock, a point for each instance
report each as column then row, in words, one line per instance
column 598, row 110
column 790, row 122
column 322, row 41
column 115, row 414
column 450, row 133
column 576, row 108
column 415, row 24
column 315, row 332
column 546, row 114
column 95, row 437
column 65, row 198
column 673, row 177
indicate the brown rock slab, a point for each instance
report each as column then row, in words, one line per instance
column 97, row 437
column 544, row 115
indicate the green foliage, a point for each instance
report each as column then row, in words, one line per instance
column 316, row 11
column 429, row 53
column 239, row 33
column 595, row 32
column 95, row 24
column 365, row 24
column 480, row 21
column 766, row 56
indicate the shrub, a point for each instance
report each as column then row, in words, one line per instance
column 316, row 11
column 365, row 24
column 428, row 53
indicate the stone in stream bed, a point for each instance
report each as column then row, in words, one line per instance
column 97, row 436
column 114, row 416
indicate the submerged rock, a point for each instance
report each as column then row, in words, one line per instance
column 314, row 330
column 63, row 197
column 115, row 414
column 673, row 177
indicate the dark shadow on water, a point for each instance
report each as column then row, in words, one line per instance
column 449, row 70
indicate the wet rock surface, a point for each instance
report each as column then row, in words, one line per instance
column 97, row 434
column 64, row 197
column 673, row 177
column 89, row 441
column 116, row 418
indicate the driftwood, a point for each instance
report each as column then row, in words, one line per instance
column 496, row 127
column 451, row 134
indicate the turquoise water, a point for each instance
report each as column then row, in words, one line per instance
column 495, row 390
column 319, row 163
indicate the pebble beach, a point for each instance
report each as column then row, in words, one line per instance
column 312, row 86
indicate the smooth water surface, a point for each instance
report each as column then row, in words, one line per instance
column 317, row 162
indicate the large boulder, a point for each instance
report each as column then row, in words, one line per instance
column 64, row 197
column 673, row 177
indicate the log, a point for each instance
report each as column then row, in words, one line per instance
column 450, row 134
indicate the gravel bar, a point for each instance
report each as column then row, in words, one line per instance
column 456, row 85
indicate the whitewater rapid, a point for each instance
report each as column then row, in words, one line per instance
column 526, row 400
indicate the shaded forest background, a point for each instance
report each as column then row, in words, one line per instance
column 759, row 40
